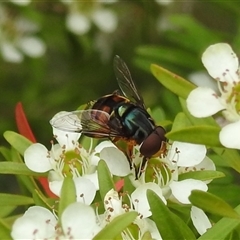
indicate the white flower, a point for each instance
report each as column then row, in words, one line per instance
column 10, row 52
column 161, row 174
column 21, row 2
column 81, row 16
column 67, row 158
column 19, row 39
column 36, row 223
column 106, row 20
column 138, row 202
column 223, row 65
column 164, row 172
column 78, row 23
column 32, row 46
column 78, row 221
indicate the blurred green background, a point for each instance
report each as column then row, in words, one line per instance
column 76, row 67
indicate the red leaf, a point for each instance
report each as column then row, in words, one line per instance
column 25, row 130
column 22, row 123
column 44, row 183
column 119, row 184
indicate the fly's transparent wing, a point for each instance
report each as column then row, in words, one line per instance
column 125, row 81
column 91, row 121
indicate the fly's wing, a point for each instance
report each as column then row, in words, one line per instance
column 125, row 81
column 91, row 122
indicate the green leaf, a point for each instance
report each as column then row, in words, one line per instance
column 68, row 194
column 222, row 228
column 171, row 81
column 212, row 204
column 14, row 200
column 6, row 210
column 6, row 153
column 104, row 178
column 41, row 200
column 19, row 142
column 172, row 55
column 4, row 230
column 17, row 168
column 116, row 226
column 230, row 156
column 192, row 29
column 197, row 135
column 180, row 121
column 169, row 225
column 201, row 175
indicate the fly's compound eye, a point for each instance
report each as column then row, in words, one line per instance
column 152, row 144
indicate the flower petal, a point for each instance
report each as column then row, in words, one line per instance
column 114, row 157
column 10, row 53
column 85, row 190
column 105, row 19
column 37, row 158
column 228, row 136
column 200, row 220
column 103, row 145
column 93, row 177
column 202, row 79
column 140, row 201
column 221, row 62
column 56, row 186
column 77, row 23
column 187, row 154
column 203, row 102
column 181, row 190
column 32, row 46
column 113, row 202
column 66, row 139
column 79, row 221
column 36, row 223
column 152, row 228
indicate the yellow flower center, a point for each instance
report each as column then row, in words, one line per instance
column 72, row 163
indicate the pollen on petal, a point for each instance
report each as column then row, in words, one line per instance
column 203, row 102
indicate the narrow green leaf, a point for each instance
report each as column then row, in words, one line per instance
column 17, row 168
column 5, row 152
column 14, row 200
column 27, row 182
column 180, row 121
column 116, row 226
column 6, row 210
column 169, row 225
column 171, row 81
column 41, row 200
column 158, row 53
column 197, row 135
column 201, row 175
column 19, row 142
column 104, row 178
column 230, row 156
column 68, row 194
column 212, row 204
column 4, row 230
column 222, row 228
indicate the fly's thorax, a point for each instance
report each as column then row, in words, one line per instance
column 136, row 121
